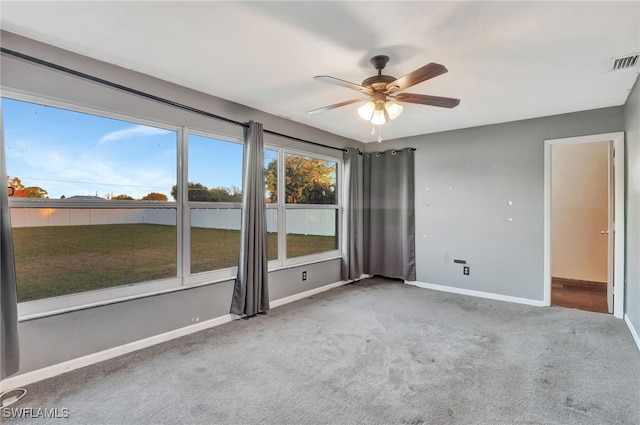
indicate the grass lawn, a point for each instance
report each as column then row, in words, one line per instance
column 59, row 260
column 213, row 249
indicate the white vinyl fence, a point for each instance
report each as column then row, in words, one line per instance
column 31, row 217
column 300, row 221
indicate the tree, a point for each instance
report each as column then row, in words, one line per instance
column 271, row 180
column 201, row 193
column 225, row 194
column 197, row 192
column 15, row 183
column 36, row 192
column 307, row 180
column 155, row 196
column 20, row 191
column 122, row 197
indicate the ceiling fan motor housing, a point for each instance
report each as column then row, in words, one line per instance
column 378, row 82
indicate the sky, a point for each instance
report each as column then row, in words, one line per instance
column 70, row 153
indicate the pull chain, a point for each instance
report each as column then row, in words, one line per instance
column 373, row 131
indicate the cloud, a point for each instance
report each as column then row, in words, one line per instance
column 128, row 133
column 85, row 172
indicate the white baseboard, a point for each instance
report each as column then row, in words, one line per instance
column 305, row 294
column 60, row 368
column 633, row 330
column 479, row 294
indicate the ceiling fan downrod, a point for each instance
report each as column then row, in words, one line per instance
column 378, row 82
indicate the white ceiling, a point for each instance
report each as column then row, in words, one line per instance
column 507, row 60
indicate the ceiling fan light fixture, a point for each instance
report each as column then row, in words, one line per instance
column 393, row 109
column 366, row 110
column 378, row 117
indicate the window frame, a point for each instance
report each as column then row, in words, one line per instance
column 283, row 262
column 208, row 276
column 70, row 302
column 29, row 310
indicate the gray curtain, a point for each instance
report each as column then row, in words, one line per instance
column 250, row 294
column 389, row 214
column 352, row 215
column 9, row 344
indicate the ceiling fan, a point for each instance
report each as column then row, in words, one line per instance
column 383, row 92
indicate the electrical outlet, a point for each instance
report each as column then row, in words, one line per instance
column 304, row 275
column 465, row 270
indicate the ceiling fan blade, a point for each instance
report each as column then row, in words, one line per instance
column 424, row 99
column 335, row 105
column 419, row 75
column 343, row 83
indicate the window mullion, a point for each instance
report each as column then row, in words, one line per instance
column 184, row 245
column 282, row 222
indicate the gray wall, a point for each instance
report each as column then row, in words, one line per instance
column 286, row 282
column 54, row 339
column 464, row 181
column 632, row 127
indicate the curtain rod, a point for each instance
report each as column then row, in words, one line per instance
column 130, row 90
column 303, row 140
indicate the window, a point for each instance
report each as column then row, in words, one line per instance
column 215, row 196
column 271, row 165
column 312, row 205
column 61, row 251
column 60, row 154
column 90, row 205
column 215, row 170
column 311, row 231
column 309, row 216
column 271, row 176
column 309, row 180
column 100, row 209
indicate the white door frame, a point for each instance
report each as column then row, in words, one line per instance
column 618, row 229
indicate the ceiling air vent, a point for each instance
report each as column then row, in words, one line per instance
column 625, row 62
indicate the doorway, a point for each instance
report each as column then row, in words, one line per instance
column 580, row 222
column 584, row 222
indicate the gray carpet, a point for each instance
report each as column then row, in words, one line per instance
column 375, row 352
